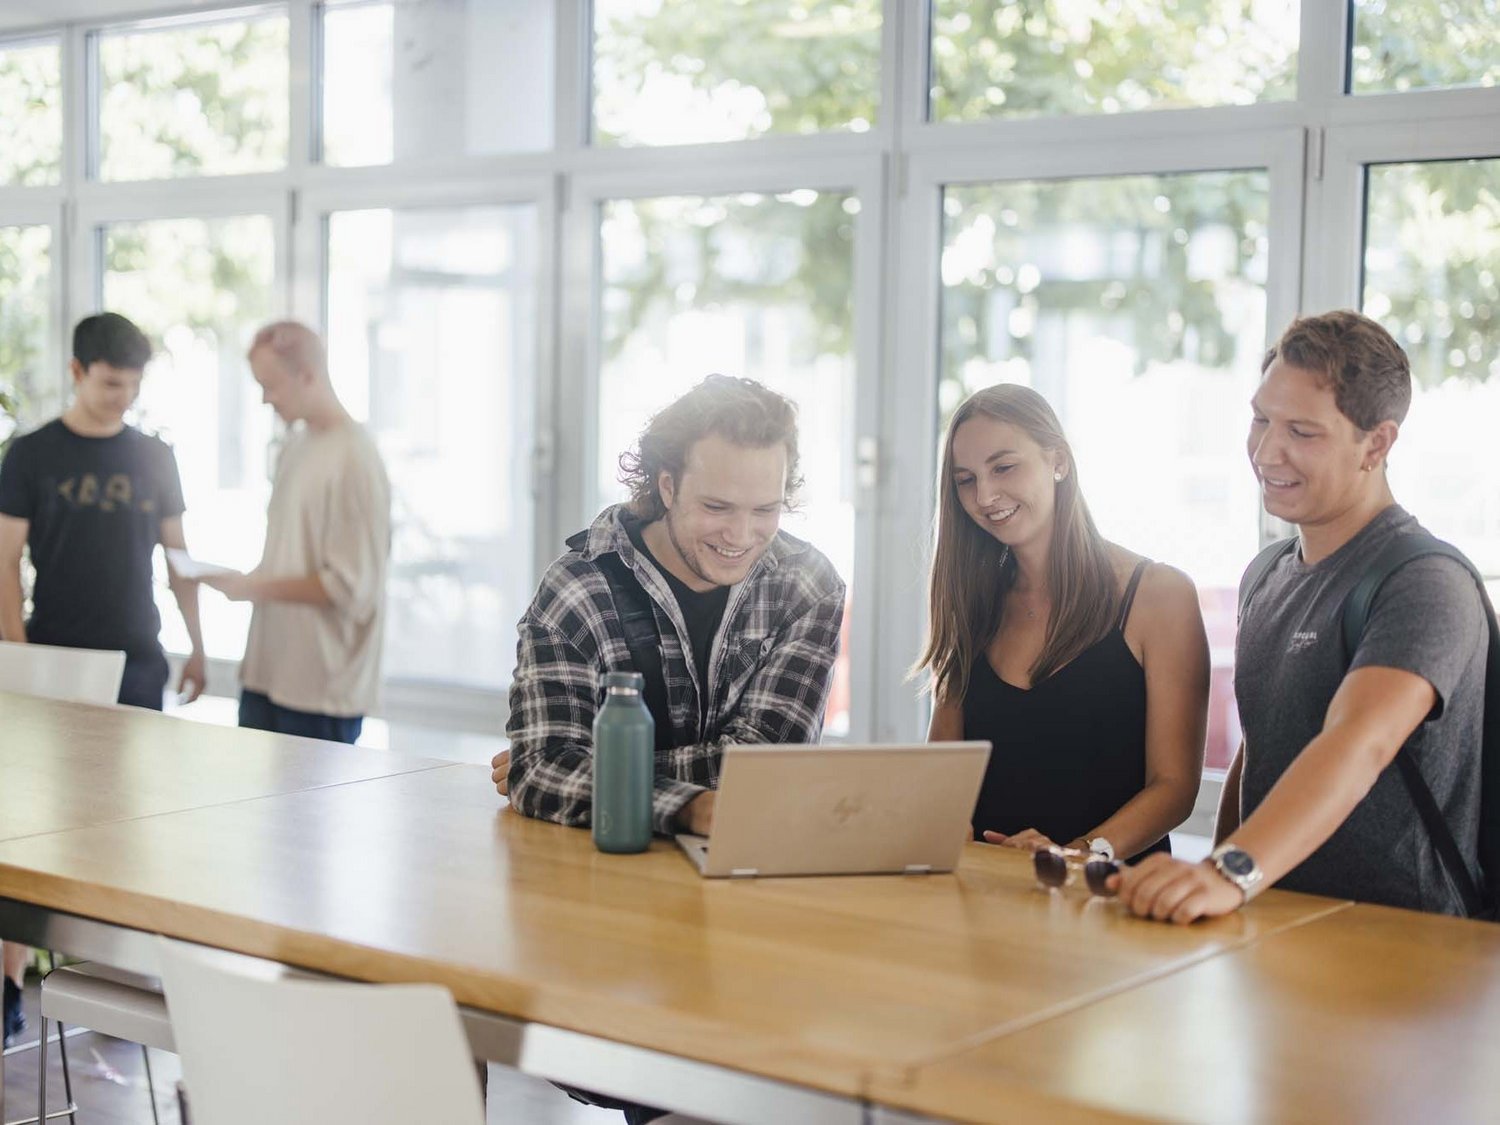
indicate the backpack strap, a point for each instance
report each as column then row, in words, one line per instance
column 638, row 622
column 1260, row 566
column 1356, row 615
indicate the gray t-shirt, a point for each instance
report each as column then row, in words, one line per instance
column 1289, row 661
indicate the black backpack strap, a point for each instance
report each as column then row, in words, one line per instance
column 1260, row 566
column 1356, row 615
column 638, row 622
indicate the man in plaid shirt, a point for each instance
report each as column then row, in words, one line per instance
column 747, row 616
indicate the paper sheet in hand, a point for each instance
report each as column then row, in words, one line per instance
column 188, row 567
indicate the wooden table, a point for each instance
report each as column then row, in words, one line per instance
column 1368, row 1014
column 785, row 998
column 70, row 765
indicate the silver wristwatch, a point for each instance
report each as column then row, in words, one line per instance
column 1239, row 867
column 1099, row 846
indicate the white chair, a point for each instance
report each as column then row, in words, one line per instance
column 256, row 1047
column 77, row 675
column 109, row 1001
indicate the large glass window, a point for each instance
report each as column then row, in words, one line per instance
column 200, row 288
column 1432, row 277
column 432, row 79
column 203, row 96
column 30, row 379
column 754, row 285
column 1018, row 57
column 31, row 107
column 432, row 330
column 1421, row 44
column 1137, row 306
column 679, row 71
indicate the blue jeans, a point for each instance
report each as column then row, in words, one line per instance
column 258, row 713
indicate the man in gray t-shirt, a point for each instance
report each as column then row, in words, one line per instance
column 1314, row 800
column 1289, row 660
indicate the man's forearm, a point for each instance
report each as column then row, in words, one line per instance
column 1315, row 795
column 307, row 590
column 1228, row 818
column 186, row 594
column 12, row 622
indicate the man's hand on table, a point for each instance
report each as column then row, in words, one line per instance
column 697, row 816
column 500, row 764
column 1173, row 890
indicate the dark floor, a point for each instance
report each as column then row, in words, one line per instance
column 109, row 1082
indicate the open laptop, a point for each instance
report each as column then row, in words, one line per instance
column 841, row 810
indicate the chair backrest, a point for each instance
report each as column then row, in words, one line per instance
column 78, row 675
column 259, row 1047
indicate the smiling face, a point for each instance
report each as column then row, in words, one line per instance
column 723, row 509
column 1314, row 465
column 1005, row 481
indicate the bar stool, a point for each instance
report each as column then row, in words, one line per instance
column 110, row 1001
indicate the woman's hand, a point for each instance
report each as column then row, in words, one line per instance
column 1028, row 839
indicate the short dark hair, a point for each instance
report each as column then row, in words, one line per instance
column 111, row 338
column 739, row 410
column 1370, row 374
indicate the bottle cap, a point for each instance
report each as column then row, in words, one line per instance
column 630, row 681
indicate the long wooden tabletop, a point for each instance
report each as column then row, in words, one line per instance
column 1368, row 1014
column 69, row 765
column 847, row 985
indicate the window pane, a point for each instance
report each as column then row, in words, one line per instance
column 671, row 72
column 753, row 285
column 30, row 380
column 31, row 107
column 432, row 330
column 196, row 98
column 421, row 79
column 1012, row 58
column 1432, row 277
column 1137, row 306
column 1422, row 44
column 200, row 288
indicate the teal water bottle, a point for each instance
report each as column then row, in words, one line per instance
column 624, row 745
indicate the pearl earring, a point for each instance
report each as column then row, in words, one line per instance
column 1057, row 475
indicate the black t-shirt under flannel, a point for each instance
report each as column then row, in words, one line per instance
column 701, row 612
column 95, row 506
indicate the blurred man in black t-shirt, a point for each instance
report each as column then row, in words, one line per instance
column 92, row 497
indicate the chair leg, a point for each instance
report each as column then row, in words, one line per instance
column 62, row 1053
column 150, row 1085
column 41, row 1082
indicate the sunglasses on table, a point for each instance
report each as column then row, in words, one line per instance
column 1054, row 867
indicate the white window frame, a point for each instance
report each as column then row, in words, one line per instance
column 1315, row 147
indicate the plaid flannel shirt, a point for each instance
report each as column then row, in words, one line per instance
column 770, row 669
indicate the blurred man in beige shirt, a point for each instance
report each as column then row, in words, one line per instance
column 312, row 661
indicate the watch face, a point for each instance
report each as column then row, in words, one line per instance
column 1237, row 863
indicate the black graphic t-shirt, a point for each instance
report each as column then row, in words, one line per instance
column 95, row 507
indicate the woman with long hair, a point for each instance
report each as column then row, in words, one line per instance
column 1083, row 664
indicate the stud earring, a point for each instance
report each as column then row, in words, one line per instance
column 1057, row 475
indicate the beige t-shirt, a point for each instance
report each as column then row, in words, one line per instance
column 329, row 515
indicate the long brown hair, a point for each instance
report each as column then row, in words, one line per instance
column 972, row 572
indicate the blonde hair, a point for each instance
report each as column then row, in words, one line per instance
column 972, row 572
column 295, row 344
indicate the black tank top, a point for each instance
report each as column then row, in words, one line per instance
column 1069, row 752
